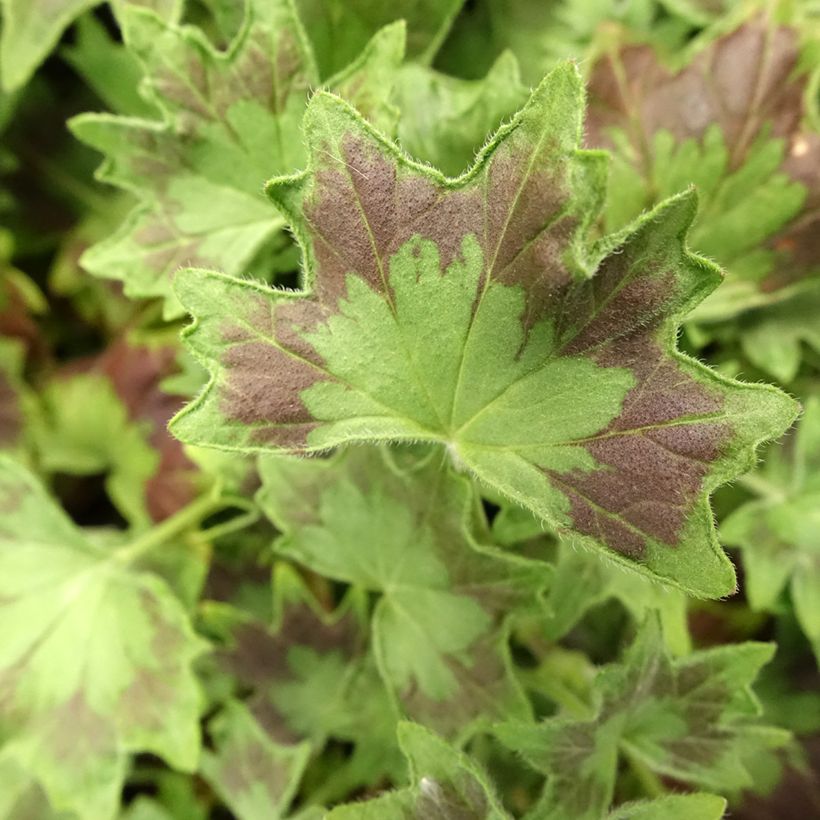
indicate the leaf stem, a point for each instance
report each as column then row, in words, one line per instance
column 650, row 782
column 761, row 487
column 186, row 518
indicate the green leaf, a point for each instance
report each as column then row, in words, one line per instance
column 30, row 30
column 339, row 29
column 673, row 807
column 310, row 678
column 445, row 784
column 779, row 533
column 96, row 660
column 107, row 67
column 426, row 567
column 691, row 719
column 772, row 336
column 231, row 120
column 84, row 429
column 466, row 312
column 253, row 775
column 581, row 583
column 445, row 120
column 733, row 123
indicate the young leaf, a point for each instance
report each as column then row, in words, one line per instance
column 255, row 776
column 231, row 119
column 444, row 783
column 733, row 123
column 426, row 567
column 462, row 312
column 779, row 534
column 689, row 719
column 96, row 659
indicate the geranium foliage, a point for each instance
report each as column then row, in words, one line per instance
column 409, row 410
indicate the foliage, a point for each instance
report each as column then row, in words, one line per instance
column 381, row 388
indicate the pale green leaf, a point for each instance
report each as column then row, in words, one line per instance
column 96, row 661
column 424, row 564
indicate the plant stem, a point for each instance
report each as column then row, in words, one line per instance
column 186, row 518
column 649, row 781
column 761, row 487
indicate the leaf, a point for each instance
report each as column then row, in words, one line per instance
column 96, row 660
column 673, row 807
column 779, row 533
column 253, row 775
column 30, row 30
column 137, row 372
column 84, row 429
column 340, row 29
column 445, row 784
column 426, row 567
column 581, row 583
column 231, row 119
column 446, row 120
column 732, row 122
column 107, row 67
column 462, row 312
column 309, row 678
column 691, row 719
column 772, row 336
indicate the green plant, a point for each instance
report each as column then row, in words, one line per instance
column 373, row 425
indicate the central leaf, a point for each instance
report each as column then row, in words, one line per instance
column 473, row 312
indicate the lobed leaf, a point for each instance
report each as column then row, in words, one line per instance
column 231, row 119
column 255, row 776
column 690, row 719
column 404, row 533
column 474, row 313
column 96, row 663
column 733, row 121
column 309, row 677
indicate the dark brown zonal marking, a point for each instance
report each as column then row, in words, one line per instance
column 266, row 378
column 651, row 467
